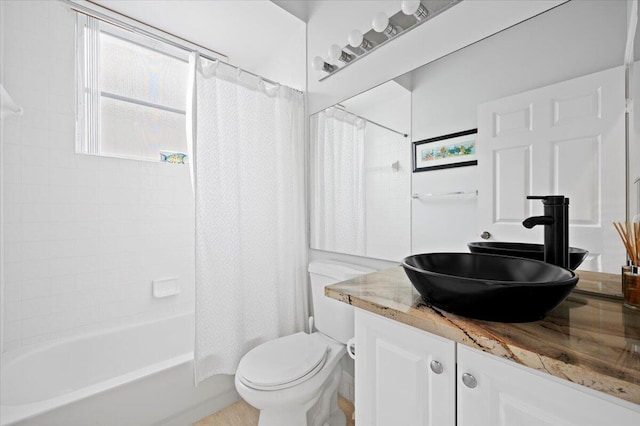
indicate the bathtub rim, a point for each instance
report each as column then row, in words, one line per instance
column 10, row 414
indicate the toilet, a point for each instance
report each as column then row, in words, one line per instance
column 293, row 380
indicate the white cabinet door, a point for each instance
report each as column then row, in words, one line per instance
column 508, row 395
column 395, row 384
column 567, row 138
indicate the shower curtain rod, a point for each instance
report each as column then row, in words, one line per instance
column 371, row 121
column 132, row 28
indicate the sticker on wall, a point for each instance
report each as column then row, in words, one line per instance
column 173, row 157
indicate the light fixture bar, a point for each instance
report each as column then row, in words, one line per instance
column 376, row 44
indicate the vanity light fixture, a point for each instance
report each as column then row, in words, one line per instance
column 337, row 54
column 415, row 8
column 385, row 28
column 319, row 64
column 381, row 24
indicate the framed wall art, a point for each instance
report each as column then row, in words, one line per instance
column 443, row 152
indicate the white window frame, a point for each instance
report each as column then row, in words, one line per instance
column 88, row 93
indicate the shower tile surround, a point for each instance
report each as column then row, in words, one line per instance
column 83, row 236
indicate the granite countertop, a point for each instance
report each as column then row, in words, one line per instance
column 589, row 340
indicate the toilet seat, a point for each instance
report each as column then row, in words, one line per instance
column 283, row 363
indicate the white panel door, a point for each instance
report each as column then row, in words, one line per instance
column 564, row 139
column 509, row 395
column 395, row 384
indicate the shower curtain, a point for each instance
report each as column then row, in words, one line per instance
column 338, row 216
column 247, row 146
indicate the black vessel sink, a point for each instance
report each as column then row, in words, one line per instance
column 489, row 287
column 527, row 251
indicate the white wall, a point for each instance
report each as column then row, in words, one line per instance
column 330, row 22
column 444, row 223
column 83, row 236
column 257, row 36
column 575, row 39
column 286, row 64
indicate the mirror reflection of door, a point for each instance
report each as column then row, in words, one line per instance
column 563, row 139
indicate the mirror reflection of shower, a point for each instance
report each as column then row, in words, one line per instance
column 360, row 174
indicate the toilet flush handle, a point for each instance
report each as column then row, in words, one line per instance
column 351, row 347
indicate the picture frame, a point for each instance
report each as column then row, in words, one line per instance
column 444, row 152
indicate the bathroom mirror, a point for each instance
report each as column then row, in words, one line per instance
column 444, row 208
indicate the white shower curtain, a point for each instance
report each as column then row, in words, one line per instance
column 338, row 216
column 247, row 146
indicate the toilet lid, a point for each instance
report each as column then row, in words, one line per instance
column 283, row 362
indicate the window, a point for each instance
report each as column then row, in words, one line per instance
column 131, row 95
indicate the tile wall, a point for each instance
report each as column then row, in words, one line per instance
column 83, row 237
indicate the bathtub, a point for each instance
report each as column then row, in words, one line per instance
column 137, row 375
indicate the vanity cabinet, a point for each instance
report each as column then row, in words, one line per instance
column 406, row 376
column 507, row 394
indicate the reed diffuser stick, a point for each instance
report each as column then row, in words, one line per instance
column 632, row 240
column 636, row 226
column 630, row 236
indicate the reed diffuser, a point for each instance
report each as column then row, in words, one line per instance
column 630, row 235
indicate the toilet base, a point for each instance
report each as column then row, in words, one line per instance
column 322, row 410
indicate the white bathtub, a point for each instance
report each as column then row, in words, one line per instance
column 138, row 375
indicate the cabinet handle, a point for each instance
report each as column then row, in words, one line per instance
column 485, row 235
column 436, row 367
column 351, row 348
column 469, row 380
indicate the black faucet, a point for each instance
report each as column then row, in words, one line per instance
column 556, row 228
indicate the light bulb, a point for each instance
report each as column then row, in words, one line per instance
column 335, row 52
column 380, row 22
column 409, row 7
column 355, row 38
column 317, row 63
column 415, row 8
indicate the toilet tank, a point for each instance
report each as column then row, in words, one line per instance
column 333, row 318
